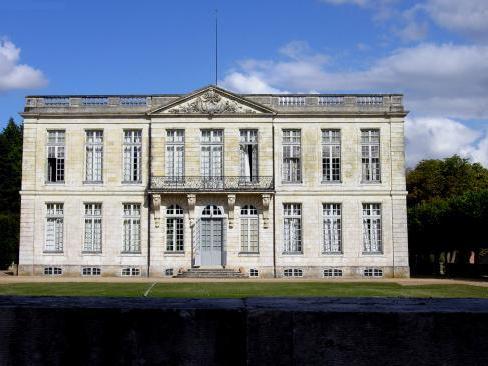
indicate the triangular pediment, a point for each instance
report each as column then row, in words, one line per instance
column 212, row 100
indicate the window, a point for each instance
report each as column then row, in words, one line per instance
column 212, row 148
column 253, row 272
column 55, row 156
column 168, row 272
column 175, row 154
column 93, row 227
column 331, row 156
column 131, row 271
column 53, row 271
column 132, row 156
column 373, row 272
column 54, row 227
column 132, row 228
column 292, row 228
column 293, row 272
column 372, row 227
column 249, row 229
column 249, row 155
column 90, row 271
column 332, row 228
column 332, row 272
column 291, row 156
column 174, row 229
column 94, row 156
column 370, row 152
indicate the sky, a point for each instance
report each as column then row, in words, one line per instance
column 433, row 51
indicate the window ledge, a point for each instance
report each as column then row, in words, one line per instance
column 174, row 254
column 333, row 182
column 54, row 183
column 131, row 183
column 53, row 252
column 292, row 253
column 91, row 253
column 371, row 182
column 130, row 253
column 93, row 182
column 292, row 183
column 336, row 254
column 248, row 254
column 373, row 253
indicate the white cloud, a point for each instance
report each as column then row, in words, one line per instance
column 447, row 80
column 14, row 75
column 437, row 137
column 468, row 17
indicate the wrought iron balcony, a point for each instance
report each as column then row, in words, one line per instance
column 211, row 184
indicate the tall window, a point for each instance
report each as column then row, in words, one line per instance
column 331, row 155
column 132, row 228
column 292, row 227
column 94, row 156
column 332, row 228
column 54, row 227
column 291, row 156
column 249, row 229
column 175, row 154
column 93, row 227
column 370, row 152
column 132, row 155
column 174, row 229
column 372, row 228
column 212, row 148
column 249, row 155
column 55, row 156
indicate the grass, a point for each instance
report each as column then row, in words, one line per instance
column 244, row 289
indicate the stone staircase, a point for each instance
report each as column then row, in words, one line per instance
column 211, row 273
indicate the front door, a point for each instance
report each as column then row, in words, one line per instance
column 211, row 241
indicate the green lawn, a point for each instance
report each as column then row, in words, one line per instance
column 243, row 289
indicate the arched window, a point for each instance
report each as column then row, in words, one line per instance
column 249, row 229
column 211, row 210
column 174, row 229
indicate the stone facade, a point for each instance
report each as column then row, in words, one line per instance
column 227, row 193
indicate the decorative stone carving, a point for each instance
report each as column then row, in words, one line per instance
column 231, row 200
column 156, row 203
column 266, row 201
column 192, row 199
column 211, row 102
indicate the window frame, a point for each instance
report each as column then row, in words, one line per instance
column 334, row 216
column 92, row 217
column 173, row 143
column 292, row 216
column 56, row 217
column 132, row 140
column 135, row 214
column 94, row 145
column 212, row 144
column 176, row 214
column 56, row 145
column 294, row 142
column 370, row 207
column 328, row 144
column 367, row 163
column 250, row 215
column 249, row 137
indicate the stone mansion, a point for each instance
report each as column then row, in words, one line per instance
column 264, row 185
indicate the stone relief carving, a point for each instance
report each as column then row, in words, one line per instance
column 211, row 103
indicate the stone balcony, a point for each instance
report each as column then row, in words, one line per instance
column 191, row 184
column 281, row 103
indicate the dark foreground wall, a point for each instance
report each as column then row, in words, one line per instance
column 327, row 331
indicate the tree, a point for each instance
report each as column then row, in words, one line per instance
column 10, row 180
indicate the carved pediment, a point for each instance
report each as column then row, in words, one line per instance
column 212, row 101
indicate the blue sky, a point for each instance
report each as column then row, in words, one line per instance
column 434, row 51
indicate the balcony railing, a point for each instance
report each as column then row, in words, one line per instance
column 211, row 184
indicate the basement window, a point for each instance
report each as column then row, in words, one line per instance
column 131, row 271
column 53, row 271
column 293, row 272
column 168, row 272
column 373, row 272
column 253, row 272
column 332, row 272
column 90, row 271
